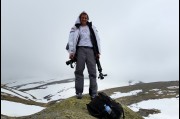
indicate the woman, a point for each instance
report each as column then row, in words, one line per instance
column 84, row 46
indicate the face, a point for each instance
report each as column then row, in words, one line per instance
column 84, row 19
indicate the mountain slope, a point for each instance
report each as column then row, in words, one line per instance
column 73, row 108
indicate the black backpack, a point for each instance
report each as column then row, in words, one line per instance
column 97, row 107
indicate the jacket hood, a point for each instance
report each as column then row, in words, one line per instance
column 78, row 22
column 78, row 19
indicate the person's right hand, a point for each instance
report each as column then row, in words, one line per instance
column 98, row 56
column 71, row 56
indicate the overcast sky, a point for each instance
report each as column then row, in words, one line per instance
column 139, row 38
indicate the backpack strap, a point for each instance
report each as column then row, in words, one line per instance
column 123, row 113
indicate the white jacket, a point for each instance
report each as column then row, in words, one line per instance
column 74, row 35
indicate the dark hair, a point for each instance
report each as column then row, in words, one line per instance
column 84, row 13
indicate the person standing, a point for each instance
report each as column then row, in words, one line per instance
column 84, row 46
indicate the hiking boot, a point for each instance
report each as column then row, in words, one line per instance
column 93, row 96
column 79, row 96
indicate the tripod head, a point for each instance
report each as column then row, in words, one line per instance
column 101, row 75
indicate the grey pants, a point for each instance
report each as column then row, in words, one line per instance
column 85, row 56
